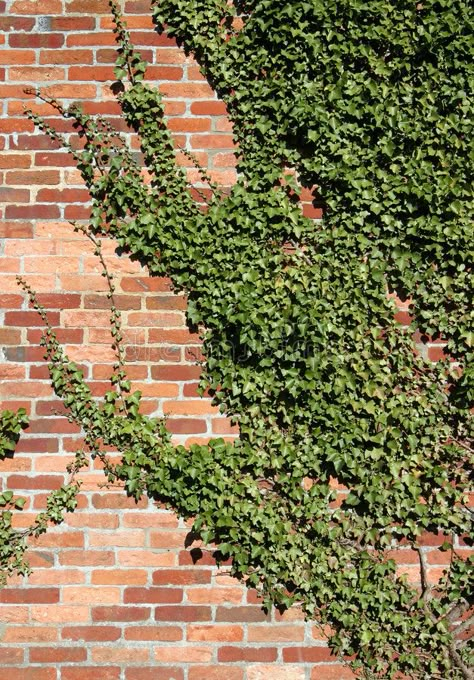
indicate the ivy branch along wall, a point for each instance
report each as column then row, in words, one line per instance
column 114, row 593
column 258, row 274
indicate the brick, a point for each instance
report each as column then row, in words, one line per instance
column 83, row 672
column 166, row 302
column 11, row 655
column 216, row 595
column 34, row 74
column 53, row 158
column 188, row 613
column 59, row 539
column 93, row 39
column 152, row 354
column 155, row 673
column 36, row 40
column 183, row 654
column 36, row 141
column 196, row 556
column 66, row 57
column 9, row 336
column 29, row 634
column 209, row 108
column 119, row 539
column 41, row 559
column 217, row 673
column 181, row 576
column 63, row 195
column 48, row 482
column 145, row 284
column 186, row 425
column 92, row 558
column 13, row 673
column 157, row 518
column 127, row 655
column 56, row 577
column 275, row 633
column 12, row 372
column 284, row 672
column 241, row 614
column 163, row 319
column 14, row 195
column 119, row 577
column 16, row 230
column 32, row 212
column 29, row 7
column 90, row 594
column 62, row 23
column 118, row 613
column 91, row 73
column 307, row 654
column 91, row 633
column 11, row 23
column 219, row 141
column 225, row 160
column 189, row 124
column 215, row 633
column 59, row 614
column 28, row 319
column 18, row 57
column 332, row 672
column 116, row 501
column 154, row 633
column 37, row 445
column 87, row 7
column 123, row 302
column 246, row 654
column 153, row 595
column 57, row 654
column 189, row 407
column 175, row 372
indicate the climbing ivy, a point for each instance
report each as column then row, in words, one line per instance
column 14, row 541
column 369, row 105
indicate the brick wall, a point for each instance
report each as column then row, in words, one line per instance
column 114, row 593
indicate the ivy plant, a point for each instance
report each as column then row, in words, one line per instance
column 14, row 541
column 369, row 105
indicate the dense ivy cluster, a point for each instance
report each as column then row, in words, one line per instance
column 369, row 104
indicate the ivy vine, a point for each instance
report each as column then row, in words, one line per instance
column 369, row 104
column 14, row 541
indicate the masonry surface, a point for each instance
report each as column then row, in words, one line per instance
column 114, row 594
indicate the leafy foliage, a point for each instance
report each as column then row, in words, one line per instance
column 367, row 104
column 13, row 541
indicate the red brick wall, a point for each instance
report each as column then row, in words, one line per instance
column 114, row 593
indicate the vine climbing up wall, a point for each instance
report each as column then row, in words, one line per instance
column 301, row 342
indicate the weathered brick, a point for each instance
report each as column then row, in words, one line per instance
column 154, row 633
column 83, row 672
column 57, row 654
column 155, row 595
column 183, row 613
column 30, row 673
column 154, row 673
column 307, row 654
column 247, row 654
column 100, row 633
column 216, row 673
column 118, row 613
